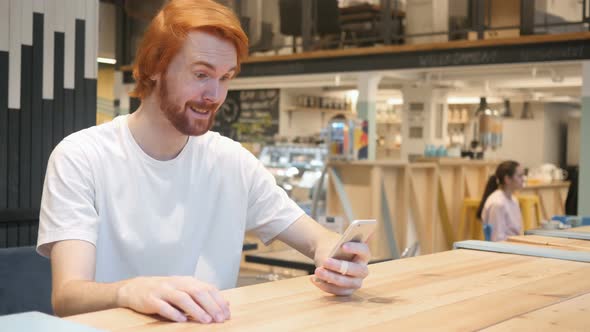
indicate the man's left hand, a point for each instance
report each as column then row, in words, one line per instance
column 343, row 277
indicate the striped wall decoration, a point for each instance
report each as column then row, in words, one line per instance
column 48, row 70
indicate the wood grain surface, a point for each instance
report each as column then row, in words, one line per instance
column 571, row 315
column 581, row 229
column 551, row 242
column 458, row 290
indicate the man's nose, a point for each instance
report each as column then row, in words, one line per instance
column 212, row 91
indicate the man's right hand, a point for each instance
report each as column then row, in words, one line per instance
column 75, row 291
column 174, row 298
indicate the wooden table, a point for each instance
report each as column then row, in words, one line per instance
column 581, row 229
column 551, row 242
column 581, row 233
column 564, row 316
column 454, row 290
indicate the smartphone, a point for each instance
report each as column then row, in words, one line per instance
column 357, row 231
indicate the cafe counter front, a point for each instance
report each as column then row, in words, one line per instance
column 424, row 202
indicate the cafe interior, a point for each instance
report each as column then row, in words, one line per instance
column 393, row 110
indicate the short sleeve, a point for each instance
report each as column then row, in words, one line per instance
column 67, row 205
column 495, row 215
column 270, row 210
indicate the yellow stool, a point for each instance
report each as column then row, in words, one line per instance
column 528, row 203
column 469, row 218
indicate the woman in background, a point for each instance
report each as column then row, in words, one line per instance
column 499, row 208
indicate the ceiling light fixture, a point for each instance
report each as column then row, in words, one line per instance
column 395, row 101
column 108, row 61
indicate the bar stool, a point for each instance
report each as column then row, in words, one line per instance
column 528, row 203
column 469, row 218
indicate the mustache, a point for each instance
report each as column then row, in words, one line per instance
column 203, row 106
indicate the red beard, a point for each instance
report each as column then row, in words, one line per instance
column 179, row 117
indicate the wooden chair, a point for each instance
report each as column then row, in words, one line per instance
column 527, row 204
column 470, row 220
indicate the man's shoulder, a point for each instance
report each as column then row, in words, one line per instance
column 92, row 139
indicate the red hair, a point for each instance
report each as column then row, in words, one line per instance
column 168, row 30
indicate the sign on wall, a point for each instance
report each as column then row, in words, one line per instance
column 249, row 115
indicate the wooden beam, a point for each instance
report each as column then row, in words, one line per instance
column 444, row 216
column 338, row 185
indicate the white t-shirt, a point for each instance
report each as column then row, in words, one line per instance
column 503, row 213
column 185, row 216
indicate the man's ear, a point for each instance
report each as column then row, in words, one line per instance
column 155, row 77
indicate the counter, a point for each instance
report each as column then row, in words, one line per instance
column 399, row 195
column 426, row 196
column 552, row 197
column 448, row 291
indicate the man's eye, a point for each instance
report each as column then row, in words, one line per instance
column 201, row 75
column 226, row 78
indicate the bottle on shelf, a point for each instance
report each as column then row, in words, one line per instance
column 488, row 128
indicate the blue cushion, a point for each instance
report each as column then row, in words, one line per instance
column 25, row 281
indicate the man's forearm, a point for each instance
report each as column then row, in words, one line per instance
column 81, row 296
column 310, row 238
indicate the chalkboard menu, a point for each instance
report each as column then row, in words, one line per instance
column 249, row 115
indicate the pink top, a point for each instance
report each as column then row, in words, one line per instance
column 503, row 213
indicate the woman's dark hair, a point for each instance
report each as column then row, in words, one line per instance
column 506, row 168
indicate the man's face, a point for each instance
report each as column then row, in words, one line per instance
column 196, row 82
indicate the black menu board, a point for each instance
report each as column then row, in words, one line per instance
column 249, row 115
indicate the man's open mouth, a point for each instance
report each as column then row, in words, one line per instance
column 200, row 111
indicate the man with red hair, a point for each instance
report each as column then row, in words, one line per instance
column 149, row 211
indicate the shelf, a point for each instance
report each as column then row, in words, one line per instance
column 458, row 122
column 309, row 109
column 389, row 122
column 388, row 148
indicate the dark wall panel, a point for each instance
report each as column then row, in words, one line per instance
column 3, row 131
column 13, row 157
column 68, row 110
column 58, row 88
column 47, row 144
column 134, row 104
column 29, row 134
column 25, row 126
column 79, row 110
column 37, row 111
column 90, row 94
